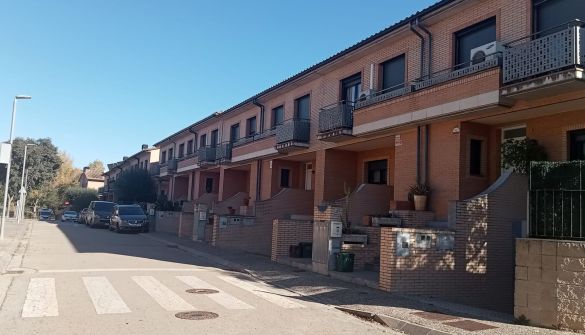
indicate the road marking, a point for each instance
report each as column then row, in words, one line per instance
column 119, row 270
column 104, row 296
column 166, row 298
column 264, row 291
column 222, row 298
column 41, row 299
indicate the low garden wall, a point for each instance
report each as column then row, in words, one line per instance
column 286, row 232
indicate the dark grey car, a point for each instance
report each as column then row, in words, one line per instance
column 128, row 218
column 98, row 213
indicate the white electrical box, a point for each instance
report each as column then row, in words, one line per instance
column 5, row 149
column 336, row 229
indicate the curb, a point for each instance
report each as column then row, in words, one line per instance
column 384, row 320
column 393, row 323
column 7, row 256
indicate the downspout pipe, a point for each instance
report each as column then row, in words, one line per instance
column 418, row 154
column 422, row 48
column 430, row 48
column 261, row 106
column 258, row 179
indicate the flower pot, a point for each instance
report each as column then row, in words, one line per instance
column 420, row 202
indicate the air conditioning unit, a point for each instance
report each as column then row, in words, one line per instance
column 486, row 52
column 365, row 93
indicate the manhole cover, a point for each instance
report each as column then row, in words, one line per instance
column 196, row 315
column 202, row 291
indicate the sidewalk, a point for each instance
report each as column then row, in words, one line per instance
column 412, row 315
column 13, row 234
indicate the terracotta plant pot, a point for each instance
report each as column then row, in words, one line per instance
column 420, row 202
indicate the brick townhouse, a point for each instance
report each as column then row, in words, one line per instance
column 427, row 100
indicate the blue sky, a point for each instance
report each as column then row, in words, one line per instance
column 102, row 73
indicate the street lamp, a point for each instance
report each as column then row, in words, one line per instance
column 21, row 206
column 3, row 222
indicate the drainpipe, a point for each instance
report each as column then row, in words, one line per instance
column 422, row 48
column 426, row 153
column 255, row 102
column 430, row 49
column 258, row 179
column 418, row 154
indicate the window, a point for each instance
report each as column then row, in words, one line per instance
column 234, row 132
column 473, row 37
column 551, row 16
column 208, row 185
column 303, row 107
column 203, row 140
column 277, row 116
column 475, row 157
column 285, row 178
column 170, row 154
column 214, row 138
column 163, row 157
column 351, row 88
column 377, row 172
column 189, row 147
column 251, row 126
column 181, row 150
column 577, row 145
column 393, row 73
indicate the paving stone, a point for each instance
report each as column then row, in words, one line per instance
column 470, row 325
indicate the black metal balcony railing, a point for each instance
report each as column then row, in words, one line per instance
column 458, row 71
column 255, row 137
column 531, row 57
column 154, row 169
column 172, row 165
column 383, row 95
column 206, row 154
column 293, row 130
column 336, row 117
column 223, row 152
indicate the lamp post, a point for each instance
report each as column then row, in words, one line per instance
column 3, row 222
column 22, row 189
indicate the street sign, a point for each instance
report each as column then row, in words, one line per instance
column 5, row 149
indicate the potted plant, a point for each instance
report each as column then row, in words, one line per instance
column 419, row 193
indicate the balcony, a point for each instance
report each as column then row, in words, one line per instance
column 154, row 169
column 223, row 153
column 384, row 95
column 254, row 138
column 168, row 168
column 187, row 162
column 206, row 155
column 544, row 66
column 293, row 135
column 336, row 122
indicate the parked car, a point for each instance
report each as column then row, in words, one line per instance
column 98, row 213
column 69, row 216
column 46, row 214
column 128, row 218
column 83, row 216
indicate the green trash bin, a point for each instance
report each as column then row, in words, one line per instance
column 345, row 261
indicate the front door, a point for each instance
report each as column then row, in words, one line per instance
column 309, row 177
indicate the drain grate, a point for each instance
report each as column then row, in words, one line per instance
column 196, row 315
column 202, row 291
column 14, row 272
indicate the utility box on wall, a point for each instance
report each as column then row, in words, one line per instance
column 336, row 229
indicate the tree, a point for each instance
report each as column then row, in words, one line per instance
column 518, row 153
column 42, row 164
column 79, row 198
column 134, row 186
column 96, row 169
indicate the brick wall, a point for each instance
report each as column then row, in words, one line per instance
column 257, row 238
column 484, row 249
column 367, row 257
column 234, row 202
column 232, row 182
column 286, row 232
column 550, row 283
column 186, row 220
column 167, row 222
column 423, row 272
column 414, row 219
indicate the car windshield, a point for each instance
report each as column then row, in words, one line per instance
column 46, row 211
column 130, row 211
column 104, row 206
column 71, row 213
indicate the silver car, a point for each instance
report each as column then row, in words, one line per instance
column 70, row 216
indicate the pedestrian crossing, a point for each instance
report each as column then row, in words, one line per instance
column 41, row 299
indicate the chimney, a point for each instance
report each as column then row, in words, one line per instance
column 85, row 169
column 144, row 146
column 124, row 158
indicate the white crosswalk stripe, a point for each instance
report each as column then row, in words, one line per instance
column 166, row 298
column 222, row 298
column 41, row 299
column 104, row 296
column 275, row 296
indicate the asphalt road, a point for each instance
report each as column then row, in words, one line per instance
column 70, row 279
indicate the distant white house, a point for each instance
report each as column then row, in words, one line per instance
column 91, row 182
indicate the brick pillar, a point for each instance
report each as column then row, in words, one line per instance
column 190, row 188
column 221, row 183
column 266, row 180
column 319, row 177
column 196, row 184
column 253, row 184
column 172, row 188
